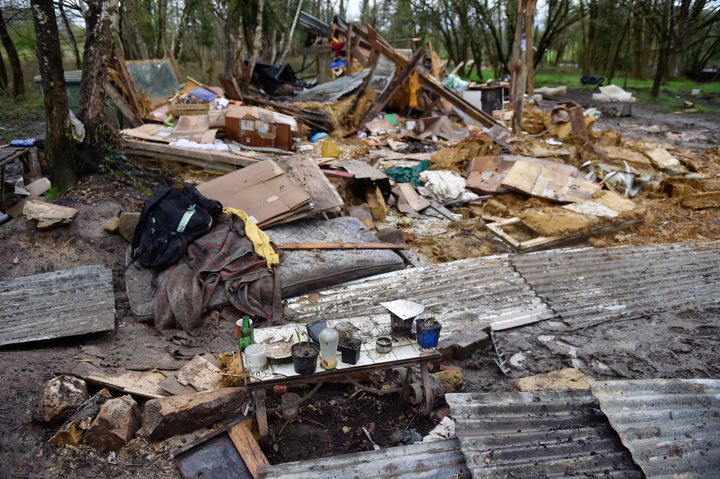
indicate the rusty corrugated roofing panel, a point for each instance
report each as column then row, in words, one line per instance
column 429, row 460
column 538, row 434
column 670, row 426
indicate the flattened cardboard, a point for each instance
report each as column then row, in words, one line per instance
column 409, row 201
column 486, row 173
column 554, row 181
column 262, row 190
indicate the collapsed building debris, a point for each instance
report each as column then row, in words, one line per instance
column 317, row 208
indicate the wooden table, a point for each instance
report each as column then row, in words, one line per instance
column 405, row 353
column 8, row 155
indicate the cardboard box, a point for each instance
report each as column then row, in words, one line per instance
column 262, row 190
column 259, row 127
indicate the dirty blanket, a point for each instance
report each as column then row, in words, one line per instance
column 223, row 258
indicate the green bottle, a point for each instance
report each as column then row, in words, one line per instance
column 247, row 335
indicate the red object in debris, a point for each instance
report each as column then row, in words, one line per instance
column 280, row 389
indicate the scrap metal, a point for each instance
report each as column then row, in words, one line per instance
column 538, row 434
column 670, row 426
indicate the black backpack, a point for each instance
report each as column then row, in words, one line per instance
column 171, row 219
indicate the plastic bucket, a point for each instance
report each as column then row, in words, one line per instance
column 427, row 337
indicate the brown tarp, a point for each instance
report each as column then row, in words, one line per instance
column 222, row 258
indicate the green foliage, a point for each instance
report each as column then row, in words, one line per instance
column 53, row 193
column 276, row 440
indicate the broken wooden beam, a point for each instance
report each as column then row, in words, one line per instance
column 309, row 246
column 396, row 83
column 427, row 80
column 212, row 159
column 123, row 107
column 174, row 415
column 247, row 447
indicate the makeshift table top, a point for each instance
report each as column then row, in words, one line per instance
column 10, row 153
column 405, row 352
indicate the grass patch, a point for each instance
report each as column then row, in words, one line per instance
column 21, row 116
column 551, row 76
column 53, row 193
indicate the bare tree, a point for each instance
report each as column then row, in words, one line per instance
column 58, row 162
column 71, row 35
column 100, row 19
column 13, row 58
column 256, row 45
column 161, row 25
column 3, row 74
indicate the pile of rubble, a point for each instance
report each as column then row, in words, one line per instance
column 368, row 177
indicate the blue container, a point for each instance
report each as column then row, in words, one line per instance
column 427, row 337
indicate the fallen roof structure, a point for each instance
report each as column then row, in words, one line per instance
column 670, row 426
column 428, row 460
column 538, row 434
column 52, row 305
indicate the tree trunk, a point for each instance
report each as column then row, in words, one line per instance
column 160, row 47
column 664, row 41
column 100, row 20
column 59, row 158
column 15, row 66
column 231, row 30
column 3, row 74
column 637, row 42
column 257, row 44
column 529, row 42
column 288, row 41
column 134, row 44
column 71, row 35
column 188, row 10
column 518, row 66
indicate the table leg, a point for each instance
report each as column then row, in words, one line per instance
column 261, row 414
column 426, row 389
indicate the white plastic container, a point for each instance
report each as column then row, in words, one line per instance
column 255, row 357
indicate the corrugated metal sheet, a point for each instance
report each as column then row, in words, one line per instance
column 538, row 434
column 332, row 90
column 480, row 290
column 607, row 298
column 671, row 426
column 57, row 304
column 591, row 285
column 430, row 460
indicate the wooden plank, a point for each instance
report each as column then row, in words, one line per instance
column 544, row 242
column 394, row 86
column 140, row 383
column 149, row 149
column 427, row 80
column 247, row 447
column 230, row 86
column 306, row 246
column 348, row 49
column 57, row 304
column 127, row 83
column 123, row 106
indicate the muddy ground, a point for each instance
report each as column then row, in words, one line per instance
column 24, row 447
